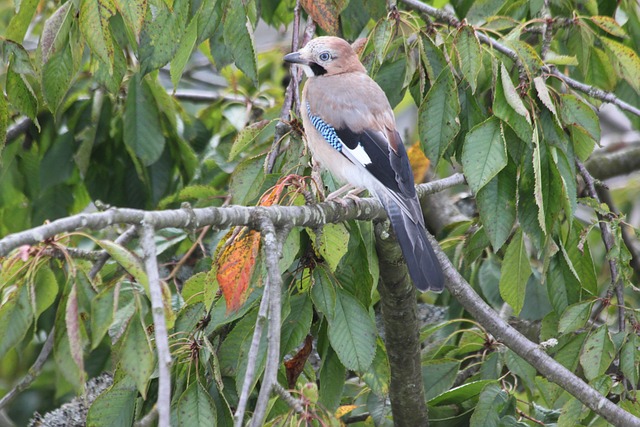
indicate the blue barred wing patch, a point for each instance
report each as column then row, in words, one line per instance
column 326, row 130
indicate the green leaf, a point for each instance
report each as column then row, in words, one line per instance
column 142, row 131
column 352, row 333
column 323, row 291
column 520, row 367
column 103, row 307
column 94, row 24
column 73, row 330
column 133, row 12
column 543, row 95
column 598, row 353
column 161, row 33
column 579, row 255
column 514, row 273
column 193, row 288
column 16, row 316
column 136, row 356
column 504, row 100
column 537, row 173
column 196, row 407
column 568, row 351
column 20, row 94
column 185, row 48
column 378, row 376
column 484, row 153
column 575, row 317
column 626, row 60
column 57, row 74
column 297, row 324
column 629, row 358
column 487, row 412
column 21, row 20
column 331, row 244
column 55, row 33
column 45, row 289
column 434, row 60
column 511, row 95
column 127, row 260
column 246, row 180
column 382, row 36
column 497, row 206
column 438, row 376
column 238, row 36
column 246, row 136
column 576, row 112
column 460, row 394
column 482, row 9
column 469, row 54
column 4, row 122
column 332, row 380
column 562, row 285
column 113, row 408
column 438, row 121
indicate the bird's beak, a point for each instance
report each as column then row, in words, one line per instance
column 295, row 58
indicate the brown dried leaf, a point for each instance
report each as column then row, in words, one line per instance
column 295, row 365
column 324, row 12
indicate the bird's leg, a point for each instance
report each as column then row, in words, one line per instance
column 349, row 191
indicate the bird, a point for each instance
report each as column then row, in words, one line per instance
column 351, row 131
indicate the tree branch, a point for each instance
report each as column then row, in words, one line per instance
column 528, row 350
column 160, row 326
column 593, row 92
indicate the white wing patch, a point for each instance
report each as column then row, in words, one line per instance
column 359, row 153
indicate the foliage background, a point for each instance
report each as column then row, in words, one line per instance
column 148, row 104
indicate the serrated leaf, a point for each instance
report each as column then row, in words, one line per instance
column 438, row 121
column 576, row 112
column 609, row 25
column 16, row 316
column 73, row 332
column 185, row 48
column 20, row 94
column 629, row 359
column 378, row 376
column 161, row 33
column 497, row 206
column 4, row 122
column 103, row 308
column 562, row 285
column 537, row 173
column 113, row 408
column 196, row 407
column 193, row 288
column 460, row 394
column 323, row 292
column 246, row 180
column 598, row 353
column 57, row 74
column 433, row 58
column 297, row 324
column 543, row 95
column 511, row 94
column 127, row 260
column 626, row 60
column 382, row 35
column 554, row 58
column 469, row 54
column 21, row 20
column 520, row 367
column 332, row 379
column 332, row 243
column 484, row 153
column 142, row 130
column 438, row 376
column 514, row 273
column 45, row 287
column 352, row 333
column 487, row 412
column 55, row 32
column 238, row 36
column 133, row 12
column 135, row 355
column 246, row 136
column 94, row 25
column 575, row 317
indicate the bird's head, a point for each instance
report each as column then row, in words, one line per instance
column 326, row 56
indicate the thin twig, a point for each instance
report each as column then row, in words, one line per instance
column 292, row 402
column 272, row 250
column 148, row 245
column 607, row 239
column 33, row 373
column 593, row 92
column 188, row 254
column 547, row 30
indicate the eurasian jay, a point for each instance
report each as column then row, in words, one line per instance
column 351, row 131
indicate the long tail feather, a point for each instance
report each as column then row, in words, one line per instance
column 423, row 265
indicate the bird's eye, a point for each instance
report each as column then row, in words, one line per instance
column 324, row 56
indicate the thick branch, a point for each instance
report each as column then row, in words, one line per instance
column 398, row 302
column 160, row 326
column 528, row 350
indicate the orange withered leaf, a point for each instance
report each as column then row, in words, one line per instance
column 324, row 12
column 236, row 264
column 419, row 163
